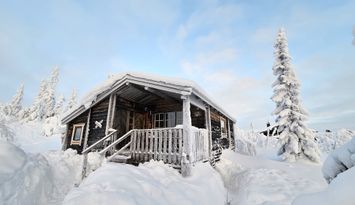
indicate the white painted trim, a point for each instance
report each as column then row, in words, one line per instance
column 75, row 142
column 197, row 102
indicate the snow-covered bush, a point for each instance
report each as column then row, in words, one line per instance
column 244, row 143
column 296, row 139
column 328, row 141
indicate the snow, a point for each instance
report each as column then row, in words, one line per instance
column 150, row 183
column 339, row 170
column 262, row 181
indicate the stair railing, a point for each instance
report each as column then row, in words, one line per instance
column 87, row 150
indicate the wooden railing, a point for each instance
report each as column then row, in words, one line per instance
column 110, row 137
column 159, row 144
column 200, row 145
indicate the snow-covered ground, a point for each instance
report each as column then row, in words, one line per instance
column 150, row 183
column 33, row 170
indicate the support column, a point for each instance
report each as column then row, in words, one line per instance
column 229, row 135
column 209, row 129
column 187, row 137
column 109, row 114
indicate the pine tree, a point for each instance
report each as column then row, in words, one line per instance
column 296, row 139
column 49, row 97
column 59, row 105
column 37, row 112
column 15, row 106
column 72, row 100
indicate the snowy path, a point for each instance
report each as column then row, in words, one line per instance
column 261, row 181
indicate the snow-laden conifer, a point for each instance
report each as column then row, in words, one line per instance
column 15, row 106
column 59, row 105
column 49, row 97
column 296, row 139
column 37, row 112
column 72, row 101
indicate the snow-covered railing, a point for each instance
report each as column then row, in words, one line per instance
column 109, row 137
column 199, row 145
column 159, row 144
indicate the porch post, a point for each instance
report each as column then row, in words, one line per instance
column 110, row 113
column 187, row 137
column 208, row 126
column 229, row 134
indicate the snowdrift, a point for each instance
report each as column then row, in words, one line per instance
column 151, row 183
column 339, row 170
column 38, row 179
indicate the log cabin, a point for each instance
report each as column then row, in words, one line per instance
column 139, row 117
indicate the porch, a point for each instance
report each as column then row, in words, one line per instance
column 165, row 144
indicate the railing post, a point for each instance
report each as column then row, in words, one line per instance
column 187, row 137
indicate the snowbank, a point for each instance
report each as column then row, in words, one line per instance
column 150, row 183
column 38, row 179
column 24, row 179
column 340, row 191
column 339, row 161
column 259, row 181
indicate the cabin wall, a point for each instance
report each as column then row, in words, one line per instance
column 231, row 124
column 80, row 119
column 216, row 129
column 98, row 114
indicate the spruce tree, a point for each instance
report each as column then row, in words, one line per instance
column 49, row 97
column 15, row 106
column 296, row 140
column 72, row 101
column 37, row 112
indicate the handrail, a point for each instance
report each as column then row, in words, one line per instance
column 119, row 151
column 116, row 142
column 96, row 143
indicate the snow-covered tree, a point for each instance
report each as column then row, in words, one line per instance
column 37, row 112
column 49, row 97
column 15, row 106
column 296, row 139
column 59, row 105
column 72, row 100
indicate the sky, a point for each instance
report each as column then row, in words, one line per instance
column 225, row 46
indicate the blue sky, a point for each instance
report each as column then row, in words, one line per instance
column 225, row 46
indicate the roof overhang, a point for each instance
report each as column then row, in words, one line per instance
column 184, row 90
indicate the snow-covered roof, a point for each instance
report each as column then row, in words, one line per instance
column 169, row 84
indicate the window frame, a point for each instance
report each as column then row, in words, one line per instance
column 75, row 126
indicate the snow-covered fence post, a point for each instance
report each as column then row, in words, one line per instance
column 187, row 137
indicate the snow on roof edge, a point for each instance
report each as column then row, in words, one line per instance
column 90, row 98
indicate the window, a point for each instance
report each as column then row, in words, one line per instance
column 77, row 135
column 167, row 119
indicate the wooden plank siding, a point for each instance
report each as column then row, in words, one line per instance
column 98, row 113
column 80, row 119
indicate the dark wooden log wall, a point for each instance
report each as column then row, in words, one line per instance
column 80, row 119
column 216, row 129
column 98, row 113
